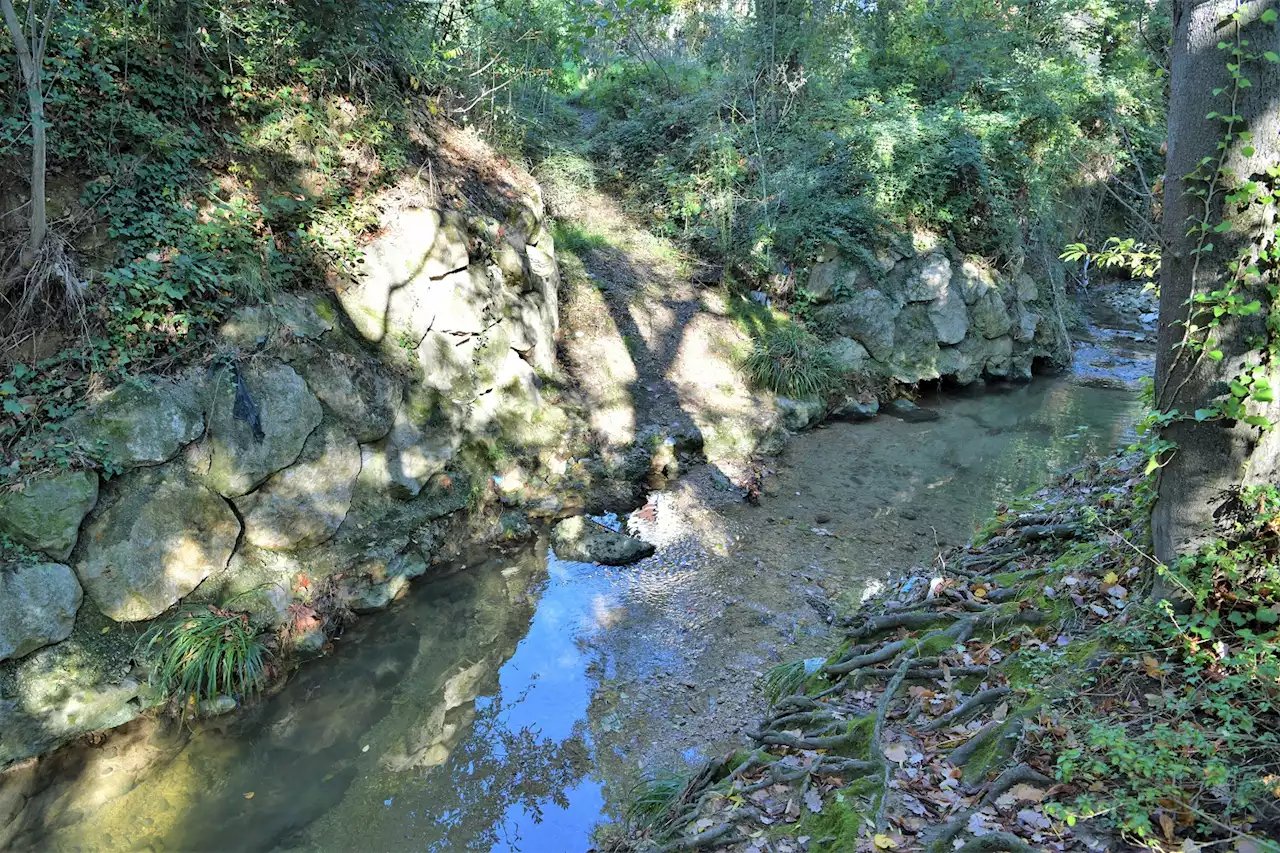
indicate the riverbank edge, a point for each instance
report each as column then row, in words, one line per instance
column 954, row 711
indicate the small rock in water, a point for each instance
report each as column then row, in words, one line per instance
column 580, row 539
column 821, row 518
column 910, row 412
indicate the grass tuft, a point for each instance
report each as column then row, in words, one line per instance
column 788, row 360
column 204, row 653
column 788, row 679
column 653, row 798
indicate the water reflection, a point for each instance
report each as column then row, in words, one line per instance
column 508, row 706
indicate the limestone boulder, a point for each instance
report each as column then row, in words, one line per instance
column 848, row 356
column 989, row 315
column 915, row 353
column 975, row 280
column 1025, row 287
column 931, row 280
column 38, row 605
column 958, row 364
column 867, row 318
column 837, row 279
column 416, row 246
column 408, row 457
column 544, row 273
column 580, row 539
column 353, row 389
column 259, row 418
column 1000, row 357
column 304, row 505
column 950, row 316
column 63, row 691
column 140, row 423
column 44, row 512
column 1024, row 324
column 799, row 414
column 856, row 409
column 301, row 316
column 156, row 536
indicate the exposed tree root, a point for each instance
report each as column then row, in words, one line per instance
column 848, row 665
column 910, row 621
column 717, row 836
column 968, row 708
column 1014, row 775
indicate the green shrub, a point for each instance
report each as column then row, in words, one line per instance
column 201, row 654
column 788, row 360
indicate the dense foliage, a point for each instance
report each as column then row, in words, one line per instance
column 202, row 154
column 763, row 138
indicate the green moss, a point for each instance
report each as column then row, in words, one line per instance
column 845, row 814
column 860, row 730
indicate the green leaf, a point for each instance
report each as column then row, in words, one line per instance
column 1269, row 16
column 1215, row 354
column 1204, row 414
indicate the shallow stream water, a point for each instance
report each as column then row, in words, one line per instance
column 509, row 706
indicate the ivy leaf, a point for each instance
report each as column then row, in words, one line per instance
column 1215, row 354
column 1204, row 414
column 1269, row 16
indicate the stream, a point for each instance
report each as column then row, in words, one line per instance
column 511, row 705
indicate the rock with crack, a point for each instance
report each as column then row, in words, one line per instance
column 352, row 388
column 304, row 505
column 44, row 512
column 867, row 318
column 416, row 247
column 258, row 423
column 141, row 423
column 154, row 538
column 38, row 604
column 408, row 457
column 579, row 539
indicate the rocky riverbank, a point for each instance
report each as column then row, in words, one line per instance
column 938, row 722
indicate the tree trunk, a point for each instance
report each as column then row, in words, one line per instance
column 30, row 61
column 1212, row 457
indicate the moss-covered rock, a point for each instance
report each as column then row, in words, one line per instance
column 580, row 539
column 140, row 422
column 44, row 512
column 38, row 604
column 259, row 418
column 156, row 536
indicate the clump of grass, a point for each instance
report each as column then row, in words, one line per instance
column 653, row 798
column 204, row 653
column 786, row 359
column 788, row 679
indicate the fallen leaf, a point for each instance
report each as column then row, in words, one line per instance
column 1034, row 819
column 1028, row 793
column 249, row 795
column 896, row 752
column 883, row 842
column 1166, row 826
column 1152, row 667
column 813, row 800
column 1001, row 712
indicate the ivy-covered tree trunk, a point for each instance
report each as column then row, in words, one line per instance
column 1225, row 91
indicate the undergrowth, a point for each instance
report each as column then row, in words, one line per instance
column 203, row 653
column 787, row 359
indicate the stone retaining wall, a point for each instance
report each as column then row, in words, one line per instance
column 328, row 440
